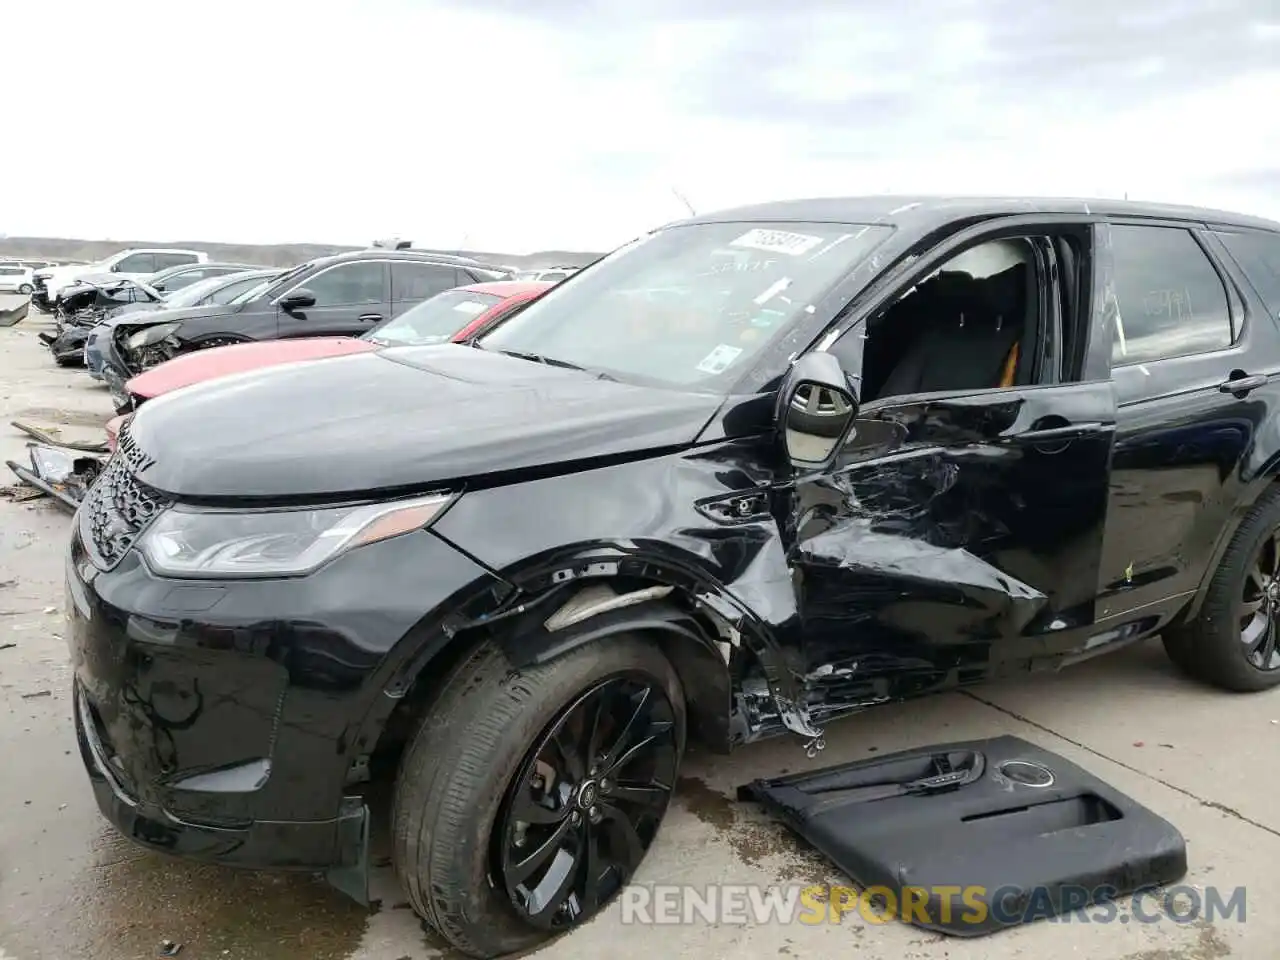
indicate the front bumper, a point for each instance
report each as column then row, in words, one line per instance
column 114, row 371
column 216, row 719
column 93, row 354
column 69, row 345
column 262, row 844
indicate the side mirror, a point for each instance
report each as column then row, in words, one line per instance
column 300, row 299
column 114, row 268
column 159, row 288
column 817, row 410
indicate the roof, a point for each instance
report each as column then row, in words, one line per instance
column 419, row 256
column 926, row 211
column 509, row 288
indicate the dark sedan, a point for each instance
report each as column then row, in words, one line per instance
column 344, row 295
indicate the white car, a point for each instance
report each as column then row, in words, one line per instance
column 131, row 264
column 551, row 274
column 15, row 278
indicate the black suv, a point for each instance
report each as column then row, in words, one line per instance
column 747, row 474
column 341, row 295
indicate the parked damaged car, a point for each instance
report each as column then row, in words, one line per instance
column 213, row 292
column 456, row 315
column 52, row 282
column 750, row 473
column 86, row 304
column 343, row 295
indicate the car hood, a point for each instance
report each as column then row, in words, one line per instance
column 147, row 318
column 401, row 418
column 189, row 368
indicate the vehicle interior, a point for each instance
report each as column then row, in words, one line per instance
column 983, row 320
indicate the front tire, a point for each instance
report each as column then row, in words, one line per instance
column 1232, row 642
column 498, row 821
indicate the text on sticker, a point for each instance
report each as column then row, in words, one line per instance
column 777, row 241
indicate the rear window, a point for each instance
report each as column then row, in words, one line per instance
column 1258, row 254
column 435, row 320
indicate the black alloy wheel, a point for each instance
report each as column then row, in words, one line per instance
column 587, row 801
column 1260, row 606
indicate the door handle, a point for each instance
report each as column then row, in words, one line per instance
column 370, row 317
column 1242, row 385
column 1049, row 434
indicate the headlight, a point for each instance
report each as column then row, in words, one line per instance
column 278, row 543
column 145, row 338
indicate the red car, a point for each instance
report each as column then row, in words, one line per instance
column 476, row 307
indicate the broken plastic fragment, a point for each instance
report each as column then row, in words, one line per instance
column 51, row 464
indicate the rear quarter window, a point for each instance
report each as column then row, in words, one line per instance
column 1171, row 300
column 1258, row 255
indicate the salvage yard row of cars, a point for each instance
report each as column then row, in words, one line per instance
column 749, row 473
column 119, row 323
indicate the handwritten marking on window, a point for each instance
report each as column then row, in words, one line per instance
column 1172, row 303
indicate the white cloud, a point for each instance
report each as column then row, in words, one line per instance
column 343, row 121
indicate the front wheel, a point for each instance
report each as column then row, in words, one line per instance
column 528, row 798
column 1233, row 641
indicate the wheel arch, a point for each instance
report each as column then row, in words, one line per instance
column 709, row 636
column 1267, row 479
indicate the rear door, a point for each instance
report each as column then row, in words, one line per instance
column 960, row 530
column 415, row 281
column 136, row 265
column 173, row 258
column 1196, row 366
column 351, row 297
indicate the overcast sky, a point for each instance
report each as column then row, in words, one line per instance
column 517, row 125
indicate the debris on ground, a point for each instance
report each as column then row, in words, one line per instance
column 168, row 948
column 6, row 646
column 62, row 472
column 38, row 693
column 49, row 436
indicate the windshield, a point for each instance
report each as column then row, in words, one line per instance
column 435, row 320
column 687, row 306
column 253, row 293
column 234, row 286
column 193, row 293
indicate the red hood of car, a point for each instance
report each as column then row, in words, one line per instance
column 113, row 431
column 237, row 358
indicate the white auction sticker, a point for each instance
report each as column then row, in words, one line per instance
column 777, row 241
column 469, row 306
column 718, row 360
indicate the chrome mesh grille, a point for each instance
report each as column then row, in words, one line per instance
column 118, row 506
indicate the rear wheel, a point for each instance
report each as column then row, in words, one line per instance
column 26, row 289
column 1233, row 642
column 528, row 798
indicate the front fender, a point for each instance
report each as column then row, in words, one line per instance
column 698, row 519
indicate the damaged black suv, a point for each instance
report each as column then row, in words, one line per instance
column 749, row 473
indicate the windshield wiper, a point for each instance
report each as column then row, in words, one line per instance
column 553, row 362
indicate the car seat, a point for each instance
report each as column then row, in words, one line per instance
column 971, row 340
